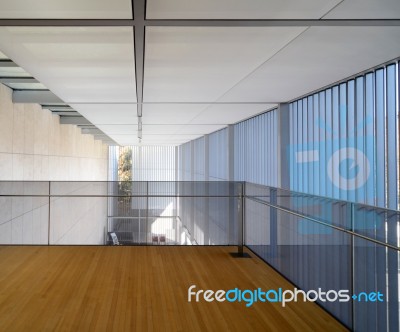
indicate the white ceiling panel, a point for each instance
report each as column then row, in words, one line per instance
column 229, row 113
column 66, row 9
column 153, row 139
column 238, row 9
column 79, row 64
column 191, row 64
column 125, row 139
column 198, row 129
column 366, row 9
column 108, row 114
column 169, row 138
column 3, row 56
column 320, row 56
column 171, row 113
column 160, row 129
column 119, row 129
column 166, row 130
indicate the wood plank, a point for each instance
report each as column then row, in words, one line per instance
column 77, row 288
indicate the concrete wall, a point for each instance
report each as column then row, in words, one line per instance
column 35, row 147
column 77, row 219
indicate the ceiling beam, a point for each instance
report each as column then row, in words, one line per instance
column 196, row 22
column 35, row 97
column 93, row 131
column 13, row 80
column 86, row 126
column 139, row 15
column 7, row 63
column 71, row 113
column 139, row 9
column 75, row 120
column 58, row 108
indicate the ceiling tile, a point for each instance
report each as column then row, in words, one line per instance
column 238, row 9
column 229, row 113
column 66, row 9
column 160, row 129
column 79, row 64
column 320, row 56
column 170, row 113
column 366, row 9
column 116, row 129
column 193, row 64
column 198, row 129
column 108, row 114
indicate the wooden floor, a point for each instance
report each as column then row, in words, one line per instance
column 141, row 289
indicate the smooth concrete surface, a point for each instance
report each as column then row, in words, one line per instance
column 35, row 147
column 76, row 219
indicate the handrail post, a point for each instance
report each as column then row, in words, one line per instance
column 352, row 216
column 48, row 219
column 352, row 267
column 147, row 211
column 241, row 223
column 273, row 219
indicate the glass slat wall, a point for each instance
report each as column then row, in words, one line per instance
column 185, row 162
column 218, row 155
column 148, row 163
column 199, row 159
column 344, row 140
column 256, row 149
column 134, row 165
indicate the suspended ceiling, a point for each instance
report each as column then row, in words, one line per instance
column 169, row 71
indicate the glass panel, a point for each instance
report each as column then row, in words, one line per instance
column 391, row 115
column 375, row 270
column 352, row 144
column 318, row 259
column 24, row 208
column 380, row 116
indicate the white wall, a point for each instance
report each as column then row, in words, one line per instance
column 35, row 147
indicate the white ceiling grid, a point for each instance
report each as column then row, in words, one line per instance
column 196, row 79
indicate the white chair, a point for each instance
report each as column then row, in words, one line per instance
column 114, row 239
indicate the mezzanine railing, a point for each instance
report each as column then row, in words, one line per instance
column 315, row 242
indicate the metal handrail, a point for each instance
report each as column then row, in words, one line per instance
column 334, row 200
column 324, row 223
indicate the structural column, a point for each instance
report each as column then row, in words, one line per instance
column 234, row 218
column 192, row 192
column 207, row 190
column 283, row 145
column 231, row 153
column 283, row 172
